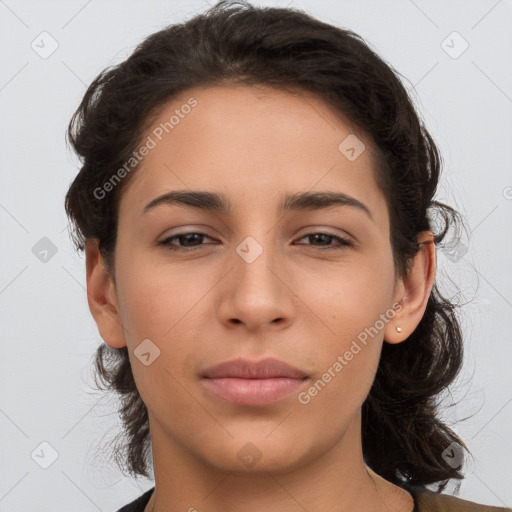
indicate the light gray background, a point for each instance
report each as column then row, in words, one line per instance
column 48, row 335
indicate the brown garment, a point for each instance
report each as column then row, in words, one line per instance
column 430, row 501
column 424, row 501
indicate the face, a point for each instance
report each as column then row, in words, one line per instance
column 256, row 280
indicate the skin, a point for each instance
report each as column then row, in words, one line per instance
column 296, row 302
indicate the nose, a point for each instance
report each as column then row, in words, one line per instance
column 256, row 292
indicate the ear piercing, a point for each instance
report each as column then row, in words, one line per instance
column 399, row 329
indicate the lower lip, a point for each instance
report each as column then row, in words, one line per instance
column 253, row 392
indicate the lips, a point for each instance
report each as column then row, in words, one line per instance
column 244, row 369
column 255, row 384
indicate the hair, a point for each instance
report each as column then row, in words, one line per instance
column 403, row 436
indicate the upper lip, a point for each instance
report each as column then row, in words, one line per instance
column 246, row 369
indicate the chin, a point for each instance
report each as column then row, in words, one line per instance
column 257, row 456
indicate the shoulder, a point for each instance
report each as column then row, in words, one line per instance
column 139, row 504
column 430, row 501
column 425, row 499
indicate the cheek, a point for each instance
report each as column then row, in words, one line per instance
column 352, row 308
column 346, row 355
column 167, row 305
column 156, row 299
column 159, row 306
column 350, row 298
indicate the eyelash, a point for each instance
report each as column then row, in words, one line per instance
column 167, row 242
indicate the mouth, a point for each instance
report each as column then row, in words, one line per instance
column 254, row 384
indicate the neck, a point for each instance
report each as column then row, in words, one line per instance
column 336, row 480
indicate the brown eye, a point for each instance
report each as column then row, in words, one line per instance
column 188, row 241
column 325, row 238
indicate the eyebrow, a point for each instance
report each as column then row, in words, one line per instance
column 215, row 202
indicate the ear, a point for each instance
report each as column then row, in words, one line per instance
column 413, row 291
column 102, row 298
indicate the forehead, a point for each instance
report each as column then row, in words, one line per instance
column 249, row 142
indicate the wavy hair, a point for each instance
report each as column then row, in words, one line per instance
column 402, row 434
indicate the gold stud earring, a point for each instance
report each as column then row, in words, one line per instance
column 399, row 329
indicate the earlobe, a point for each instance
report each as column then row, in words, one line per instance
column 415, row 289
column 101, row 297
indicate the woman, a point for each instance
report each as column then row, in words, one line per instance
column 255, row 208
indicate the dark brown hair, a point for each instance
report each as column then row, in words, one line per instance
column 403, row 436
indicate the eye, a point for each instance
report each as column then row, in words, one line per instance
column 327, row 237
column 188, row 238
column 189, row 241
